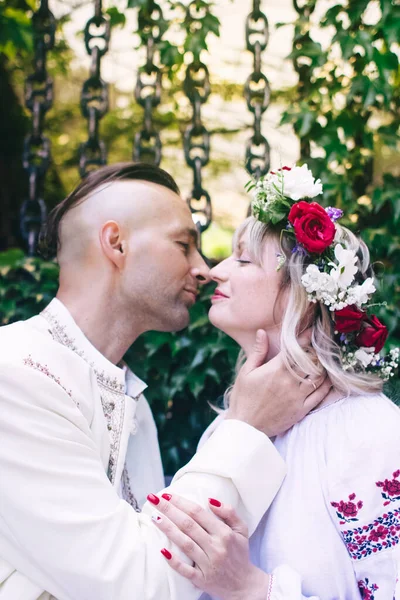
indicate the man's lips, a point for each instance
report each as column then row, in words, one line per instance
column 192, row 291
column 218, row 295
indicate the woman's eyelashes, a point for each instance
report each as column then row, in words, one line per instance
column 241, row 261
column 243, row 258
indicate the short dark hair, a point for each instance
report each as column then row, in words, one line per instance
column 49, row 242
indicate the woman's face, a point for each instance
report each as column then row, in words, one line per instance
column 246, row 296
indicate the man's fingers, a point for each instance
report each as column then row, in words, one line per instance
column 317, row 396
column 258, row 352
column 229, row 516
column 308, row 384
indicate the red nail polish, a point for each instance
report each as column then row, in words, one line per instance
column 166, row 553
column 214, row 502
column 153, row 499
column 166, row 496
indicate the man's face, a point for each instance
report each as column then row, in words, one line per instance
column 163, row 268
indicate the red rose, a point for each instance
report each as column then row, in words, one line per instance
column 392, row 487
column 348, row 509
column 312, row 226
column 373, row 334
column 349, row 319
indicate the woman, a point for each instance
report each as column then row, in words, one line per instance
column 333, row 530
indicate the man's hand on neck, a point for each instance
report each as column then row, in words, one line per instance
column 268, row 396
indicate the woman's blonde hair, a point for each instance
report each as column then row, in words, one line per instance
column 300, row 313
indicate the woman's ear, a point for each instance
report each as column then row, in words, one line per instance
column 112, row 243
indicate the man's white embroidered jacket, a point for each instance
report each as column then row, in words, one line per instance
column 78, row 448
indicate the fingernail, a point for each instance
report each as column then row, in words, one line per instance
column 166, row 496
column 166, row 553
column 153, row 499
column 214, row 502
column 156, row 518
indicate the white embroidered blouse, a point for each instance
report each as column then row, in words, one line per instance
column 333, row 530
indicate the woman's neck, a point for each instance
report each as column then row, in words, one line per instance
column 273, row 342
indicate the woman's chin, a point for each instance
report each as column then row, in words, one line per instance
column 215, row 317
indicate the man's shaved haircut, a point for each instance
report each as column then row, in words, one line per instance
column 50, row 234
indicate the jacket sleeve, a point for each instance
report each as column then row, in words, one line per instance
column 62, row 524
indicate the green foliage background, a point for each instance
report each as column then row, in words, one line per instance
column 347, row 112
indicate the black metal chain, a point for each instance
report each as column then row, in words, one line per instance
column 147, row 141
column 94, row 95
column 196, row 138
column 36, row 154
column 301, row 63
column 257, row 92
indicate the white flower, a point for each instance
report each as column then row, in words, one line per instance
column 297, row 183
column 343, row 273
column 311, row 279
column 364, row 355
column 359, row 294
column 321, row 284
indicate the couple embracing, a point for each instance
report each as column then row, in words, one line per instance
column 294, row 491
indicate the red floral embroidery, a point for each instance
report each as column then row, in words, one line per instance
column 347, row 511
column 381, row 534
column 367, row 590
column 390, row 489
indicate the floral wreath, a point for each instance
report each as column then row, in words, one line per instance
column 330, row 275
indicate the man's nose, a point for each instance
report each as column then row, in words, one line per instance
column 201, row 270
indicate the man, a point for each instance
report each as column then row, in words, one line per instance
column 78, row 445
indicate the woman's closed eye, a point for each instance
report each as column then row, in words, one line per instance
column 243, row 258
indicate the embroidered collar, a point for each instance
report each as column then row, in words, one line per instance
column 63, row 326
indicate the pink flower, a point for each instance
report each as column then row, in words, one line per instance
column 392, row 487
column 379, row 533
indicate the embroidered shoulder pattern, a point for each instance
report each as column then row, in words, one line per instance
column 29, row 362
column 381, row 534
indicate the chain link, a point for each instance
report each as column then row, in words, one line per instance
column 257, row 91
column 196, row 138
column 147, row 143
column 36, row 154
column 301, row 63
column 94, row 95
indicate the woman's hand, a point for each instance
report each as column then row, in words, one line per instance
column 218, row 547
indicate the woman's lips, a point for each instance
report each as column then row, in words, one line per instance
column 218, row 295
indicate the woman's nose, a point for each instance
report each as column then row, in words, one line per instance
column 219, row 272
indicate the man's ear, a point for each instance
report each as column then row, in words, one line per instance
column 112, row 243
